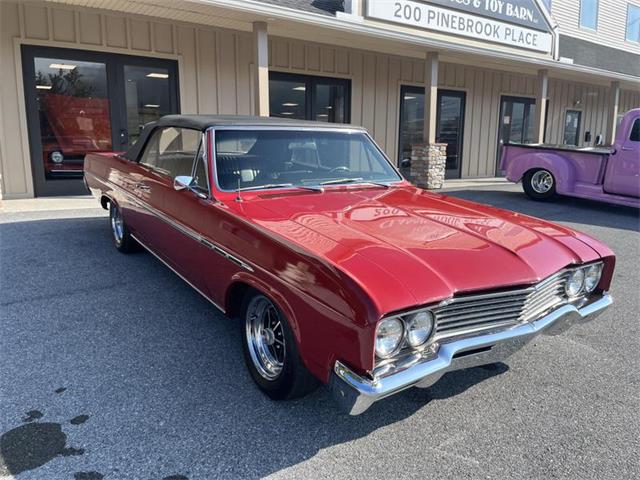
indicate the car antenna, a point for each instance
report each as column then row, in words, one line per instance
column 238, row 197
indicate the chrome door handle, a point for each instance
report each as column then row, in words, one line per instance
column 143, row 186
column 626, row 149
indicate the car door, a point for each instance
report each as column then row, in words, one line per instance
column 623, row 169
column 180, row 214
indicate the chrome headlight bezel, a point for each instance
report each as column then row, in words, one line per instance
column 596, row 268
column 382, row 324
column 583, row 273
column 427, row 328
column 407, row 319
column 575, row 274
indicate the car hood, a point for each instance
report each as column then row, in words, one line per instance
column 406, row 246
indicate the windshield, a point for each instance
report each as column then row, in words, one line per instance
column 255, row 159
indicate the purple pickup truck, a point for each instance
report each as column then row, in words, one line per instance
column 610, row 174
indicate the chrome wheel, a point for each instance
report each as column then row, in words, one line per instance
column 542, row 181
column 117, row 224
column 265, row 337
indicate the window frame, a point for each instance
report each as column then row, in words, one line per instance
column 153, row 135
column 631, row 130
column 214, row 164
column 597, row 14
column 627, row 30
column 311, row 83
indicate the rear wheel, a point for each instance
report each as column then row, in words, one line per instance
column 122, row 239
column 539, row 184
column 270, row 351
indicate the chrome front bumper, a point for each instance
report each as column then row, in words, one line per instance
column 355, row 393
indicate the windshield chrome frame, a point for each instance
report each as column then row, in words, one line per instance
column 347, row 129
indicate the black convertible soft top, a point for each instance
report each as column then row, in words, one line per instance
column 203, row 122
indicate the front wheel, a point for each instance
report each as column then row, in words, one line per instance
column 539, row 184
column 270, row 351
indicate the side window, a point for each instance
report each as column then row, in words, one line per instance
column 171, row 151
column 635, row 131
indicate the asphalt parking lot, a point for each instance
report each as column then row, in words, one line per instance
column 124, row 372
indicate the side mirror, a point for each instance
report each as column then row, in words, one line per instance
column 405, row 163
column 183, row 182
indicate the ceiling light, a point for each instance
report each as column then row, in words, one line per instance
column 328, row 107
column 301, row 88
column 157, row 75
column 322, row 115
column 62, row 66
column 286, row 113
column 152, row 105
column 408, row 97
column 289, row 104
column 43, row 87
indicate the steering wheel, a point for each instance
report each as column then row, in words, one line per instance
column 341, row 168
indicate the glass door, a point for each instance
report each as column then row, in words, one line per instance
column 516, row 123
column 450, row 127
column 81, row 102
column 449, row 124
column 572, row 120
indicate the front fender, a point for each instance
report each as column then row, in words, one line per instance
column 561, row 168
column 322, row 334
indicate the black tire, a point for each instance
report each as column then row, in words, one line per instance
column 539, row 184
column 122, row 238
column 293, row 379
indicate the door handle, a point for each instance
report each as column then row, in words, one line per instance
column 627, row 149
column 143, row 186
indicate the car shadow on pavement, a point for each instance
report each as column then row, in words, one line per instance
column 561, row 209
column 157, row 370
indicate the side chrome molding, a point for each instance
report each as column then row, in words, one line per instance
column 184, row 229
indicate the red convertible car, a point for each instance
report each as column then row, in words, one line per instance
column 341, row 271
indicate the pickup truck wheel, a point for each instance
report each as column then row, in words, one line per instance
column 270, row 351
column 539, row 184
column 122, row 239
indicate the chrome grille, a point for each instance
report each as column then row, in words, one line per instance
column 472, row 313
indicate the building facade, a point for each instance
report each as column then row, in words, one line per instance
column 85, row 75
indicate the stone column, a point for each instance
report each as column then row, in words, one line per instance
column 428, row 163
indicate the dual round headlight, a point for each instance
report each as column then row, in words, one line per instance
column 414, row 329
column 583, row 280
column 56, row 157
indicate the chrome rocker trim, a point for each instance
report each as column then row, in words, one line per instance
column 355, row 393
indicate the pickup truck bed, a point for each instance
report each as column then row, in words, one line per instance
column 608, row 174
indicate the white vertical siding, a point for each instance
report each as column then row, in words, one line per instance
column 612, row 22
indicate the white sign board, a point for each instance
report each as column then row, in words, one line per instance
column 431, row 17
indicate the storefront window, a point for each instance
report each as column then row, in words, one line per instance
column 305, row 97
column 147, row 97
column 73, row 111
column 411, row 119
column 81, row 102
